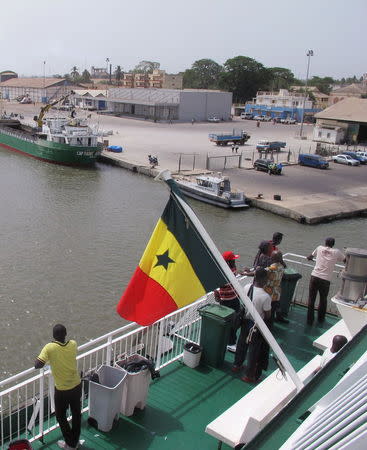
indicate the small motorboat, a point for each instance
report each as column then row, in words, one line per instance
column 212, row 189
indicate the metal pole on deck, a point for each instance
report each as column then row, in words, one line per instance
column 166, row 175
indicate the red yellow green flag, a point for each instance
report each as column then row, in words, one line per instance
column 176, row 269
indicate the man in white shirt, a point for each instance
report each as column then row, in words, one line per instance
column 250, row 338
column 326, row 258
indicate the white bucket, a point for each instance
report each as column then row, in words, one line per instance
column 192, row 354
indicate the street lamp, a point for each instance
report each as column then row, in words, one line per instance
column 308, row 54
column 44, row 79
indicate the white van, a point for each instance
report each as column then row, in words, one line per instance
column 246, row 115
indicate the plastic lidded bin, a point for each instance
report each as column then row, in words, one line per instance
column 135, row 390
column 105, row 396
column 288, row 286
column 215, row 329
column 192, row 354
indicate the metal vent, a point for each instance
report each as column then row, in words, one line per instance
column 341, row 424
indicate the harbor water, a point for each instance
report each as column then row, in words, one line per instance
column 71, row 239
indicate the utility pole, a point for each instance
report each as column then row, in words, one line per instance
column 308, row 54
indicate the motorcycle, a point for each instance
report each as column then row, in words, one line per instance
column 153, row 161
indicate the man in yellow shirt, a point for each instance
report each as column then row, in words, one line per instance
column 61, row 355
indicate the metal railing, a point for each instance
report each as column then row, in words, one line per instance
column 26, row 399
column 304, row 267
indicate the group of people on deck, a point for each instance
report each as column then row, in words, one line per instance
column 264, row 293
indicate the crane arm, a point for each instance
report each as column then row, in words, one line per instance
column 45, row 108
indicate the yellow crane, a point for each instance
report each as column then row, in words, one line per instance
column 44, row 109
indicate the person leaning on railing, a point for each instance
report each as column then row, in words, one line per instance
column 326, row 258
column 61, row 355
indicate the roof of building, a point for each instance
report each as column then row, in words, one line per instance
column 32, row 82
column 7, row 72
column 350, row 109
column 351, row 89
column 91, row 92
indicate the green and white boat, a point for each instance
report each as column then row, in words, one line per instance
column 60, row 140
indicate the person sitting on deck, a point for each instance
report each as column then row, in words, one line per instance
column 337, row 344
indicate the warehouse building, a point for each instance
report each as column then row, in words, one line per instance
column 167, row 104
column 344, row 122
column 37, row 89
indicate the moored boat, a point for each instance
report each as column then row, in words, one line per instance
column 215, row 190
column 60, row 140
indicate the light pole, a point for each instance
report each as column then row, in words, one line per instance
column 44, row 79
column 308, row 54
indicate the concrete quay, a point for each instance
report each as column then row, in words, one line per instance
column 308, row 195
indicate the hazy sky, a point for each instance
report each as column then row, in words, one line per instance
column 83, row 33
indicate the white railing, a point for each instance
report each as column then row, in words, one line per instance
column 24, row 415
column 304, row 267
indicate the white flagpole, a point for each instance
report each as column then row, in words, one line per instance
column 166, row 175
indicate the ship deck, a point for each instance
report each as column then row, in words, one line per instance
column 183, row 400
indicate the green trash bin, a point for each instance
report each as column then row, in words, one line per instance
column 288, row 286
column 215, row 328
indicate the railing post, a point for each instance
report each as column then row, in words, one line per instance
column 42, row 402
column 109, row 351
column 159, row 346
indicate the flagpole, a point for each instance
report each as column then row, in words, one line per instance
column 166, row 175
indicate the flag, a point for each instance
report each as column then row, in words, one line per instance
column 176, row 269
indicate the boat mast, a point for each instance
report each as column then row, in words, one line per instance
column 166, row 175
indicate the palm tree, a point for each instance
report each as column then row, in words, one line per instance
column 74, row 73
column 118, row 75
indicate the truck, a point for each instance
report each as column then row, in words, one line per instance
column 265, row 145
column 237, row 137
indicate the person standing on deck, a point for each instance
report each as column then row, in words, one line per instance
column 61, row 356
column 273, row 285
column 262, row 258
column 275, row 241
column 251, row 340
column 326, row 258
column 227, row 296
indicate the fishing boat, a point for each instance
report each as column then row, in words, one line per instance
column 212, row 189
column 60, row 140
column 208, row 406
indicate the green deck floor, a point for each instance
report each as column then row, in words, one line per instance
column 183, row 401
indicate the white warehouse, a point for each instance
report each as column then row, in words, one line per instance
column 170, row 104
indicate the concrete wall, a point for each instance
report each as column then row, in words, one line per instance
column 331, row 136
column 200, row 105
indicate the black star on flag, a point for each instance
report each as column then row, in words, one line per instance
column 164, row 260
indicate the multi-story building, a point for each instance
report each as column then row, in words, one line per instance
column 158, row 79
column 99, row 72
column 282, row 104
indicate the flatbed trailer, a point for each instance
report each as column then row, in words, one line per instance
column 236, row 138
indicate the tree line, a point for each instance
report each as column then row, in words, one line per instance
column 241, row 75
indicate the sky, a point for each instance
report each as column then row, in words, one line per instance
column 48, row 37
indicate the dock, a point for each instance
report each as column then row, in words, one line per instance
column 294, row 204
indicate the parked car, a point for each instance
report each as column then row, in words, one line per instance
column 266, row 145
column 354, row 155
column 261, row 118
column 360, row 153
column 346, row 159
column 213, row 119
column 248, row 116
column 288, row 121
column 318, row 161
column 269, row 166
